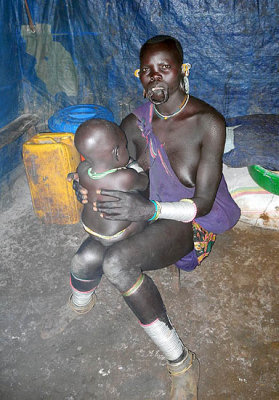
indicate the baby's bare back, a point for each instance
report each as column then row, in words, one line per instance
column 119, row 180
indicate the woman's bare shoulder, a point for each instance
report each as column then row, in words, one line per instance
column 129, row 123
column 203, row 109
column 207, row 116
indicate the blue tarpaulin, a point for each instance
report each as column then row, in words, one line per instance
column 86, row 52
column 255, row 141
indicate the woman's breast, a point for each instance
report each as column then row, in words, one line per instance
column 184, row 165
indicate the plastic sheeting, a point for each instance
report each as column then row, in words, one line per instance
column 86, row 52
column 255, row 141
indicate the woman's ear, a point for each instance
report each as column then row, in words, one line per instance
column 116, row 153
column 186, row 68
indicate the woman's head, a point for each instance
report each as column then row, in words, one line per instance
column 161, row 74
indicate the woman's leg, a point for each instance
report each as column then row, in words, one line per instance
column 159, row 245
column 86, row 273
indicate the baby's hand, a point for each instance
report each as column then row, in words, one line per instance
column 81, row 192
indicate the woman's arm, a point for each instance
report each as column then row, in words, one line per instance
column 209, row 171
column 134, row 208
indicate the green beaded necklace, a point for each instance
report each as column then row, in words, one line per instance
column 100, row 175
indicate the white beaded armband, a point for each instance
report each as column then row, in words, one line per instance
column 185, row 210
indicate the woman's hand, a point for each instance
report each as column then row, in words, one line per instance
column 127, row 206
column 81, row 192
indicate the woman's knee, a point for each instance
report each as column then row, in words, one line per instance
column 87, row 262
column 118, row 268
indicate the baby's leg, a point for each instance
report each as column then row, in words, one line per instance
column 86, row 273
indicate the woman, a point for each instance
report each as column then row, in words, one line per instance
column 180, row 140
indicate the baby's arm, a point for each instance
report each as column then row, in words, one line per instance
column 140, row 178
column 82, row 170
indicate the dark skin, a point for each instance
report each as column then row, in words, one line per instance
column 105, row 148
column 194, row 142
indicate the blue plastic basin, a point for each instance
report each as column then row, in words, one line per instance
column 68, row 119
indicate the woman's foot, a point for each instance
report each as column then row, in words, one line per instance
column 184, row 376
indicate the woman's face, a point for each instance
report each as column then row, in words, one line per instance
column 160, row 71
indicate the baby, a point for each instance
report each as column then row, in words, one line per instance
column 106, row 165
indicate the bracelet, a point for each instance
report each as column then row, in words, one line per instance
column 135, row 166
column 156, row 214
column 178, row 211
column 195, row 209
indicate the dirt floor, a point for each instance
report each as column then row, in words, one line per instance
column 226, row 311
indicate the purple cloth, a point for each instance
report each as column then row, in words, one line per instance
column 188, row 262
column 165, row 186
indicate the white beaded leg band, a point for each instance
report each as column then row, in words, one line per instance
column 165, row 338
column 185, row 210
column 81, row 299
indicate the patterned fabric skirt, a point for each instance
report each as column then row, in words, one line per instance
column 203, row 241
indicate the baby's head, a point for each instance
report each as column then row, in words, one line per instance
column 102, row 143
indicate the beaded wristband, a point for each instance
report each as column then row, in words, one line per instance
column 159, row 209
column 156, row 214
column 156, row 209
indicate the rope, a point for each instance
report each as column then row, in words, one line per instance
column 31, row 25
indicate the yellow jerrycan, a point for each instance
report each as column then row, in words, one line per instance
column 48, row 158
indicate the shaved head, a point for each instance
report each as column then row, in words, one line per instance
column 171, row 41
column 96, row 139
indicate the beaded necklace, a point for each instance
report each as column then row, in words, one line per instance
column 180, row 108
column 100, row 175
